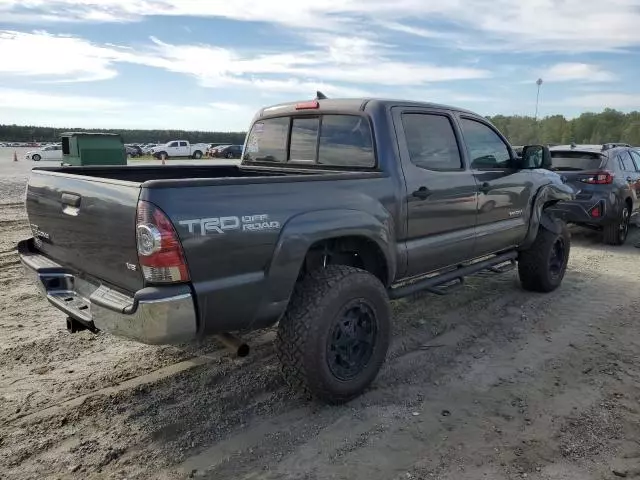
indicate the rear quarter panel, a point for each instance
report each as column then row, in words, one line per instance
column 230, row 234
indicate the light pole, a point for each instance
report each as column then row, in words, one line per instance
column 539, row 84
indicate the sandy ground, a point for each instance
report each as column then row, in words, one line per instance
column 492, row 382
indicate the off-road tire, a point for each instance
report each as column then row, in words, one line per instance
column 318, row 301
column 197, row 154
column 616, row 233
column 534, row 268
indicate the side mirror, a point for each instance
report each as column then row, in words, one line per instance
column 536, row 156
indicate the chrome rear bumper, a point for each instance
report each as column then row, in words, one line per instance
column 154, row 315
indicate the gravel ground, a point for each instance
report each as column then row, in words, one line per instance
column 492, row 382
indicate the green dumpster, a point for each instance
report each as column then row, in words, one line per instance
column 81, row 148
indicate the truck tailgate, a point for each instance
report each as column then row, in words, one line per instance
column 87, row 224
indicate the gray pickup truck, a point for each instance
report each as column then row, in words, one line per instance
column 338, row 207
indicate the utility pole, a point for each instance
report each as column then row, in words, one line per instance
column 539, row 84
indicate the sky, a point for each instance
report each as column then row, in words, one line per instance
column 210, row 65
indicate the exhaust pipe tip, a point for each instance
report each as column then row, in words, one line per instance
column 235, row 344
column 243, row 350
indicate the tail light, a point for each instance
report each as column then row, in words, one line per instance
column 599, row 178
column 159, row 250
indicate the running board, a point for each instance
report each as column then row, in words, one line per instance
column 453, row 279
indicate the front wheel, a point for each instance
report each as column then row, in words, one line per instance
column 36, row 158
column 616, row 233
column 542, row 267
column 334, row 336
column 163, row 156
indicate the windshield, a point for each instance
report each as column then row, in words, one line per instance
column 575, row 161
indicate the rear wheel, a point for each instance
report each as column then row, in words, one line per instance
column 333, row 339
column 616, row 233
column 542, row 267
column 197, row 154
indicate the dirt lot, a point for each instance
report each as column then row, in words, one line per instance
column 492, row 382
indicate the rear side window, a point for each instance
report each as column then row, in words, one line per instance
column 622, row 163
column 567, row 161
column 431, row 141
column 627, row 161
column 183, row 144
column 636, row 159
column 267, row 141
column 345, row 140
column 332, row 140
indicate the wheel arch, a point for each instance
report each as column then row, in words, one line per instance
column 542, row 211
column 371, row 237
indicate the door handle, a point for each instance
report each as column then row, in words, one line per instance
column 485, row 188
column 422, row 193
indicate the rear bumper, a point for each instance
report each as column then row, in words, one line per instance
column 579, row 211
column 154, row 315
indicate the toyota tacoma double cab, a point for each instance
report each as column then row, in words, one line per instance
column 338, row 207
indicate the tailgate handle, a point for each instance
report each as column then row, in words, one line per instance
column 71, row 199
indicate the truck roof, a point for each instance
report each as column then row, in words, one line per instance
column 351, row 105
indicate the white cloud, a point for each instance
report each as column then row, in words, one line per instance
column 570, row 72
column 336, row 67
column 40, row 101
column 532, row 25
column 623, row 101
column 61, row 110
column 54, row 57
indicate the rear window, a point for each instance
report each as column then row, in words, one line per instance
column 304, row 139
column 332, row 140
column 575, row 161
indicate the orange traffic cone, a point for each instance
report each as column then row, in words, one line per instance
column 15, row 156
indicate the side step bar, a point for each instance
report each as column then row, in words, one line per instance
column 454, row 277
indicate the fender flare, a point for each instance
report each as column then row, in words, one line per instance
column 542, row 214
column 302, row 231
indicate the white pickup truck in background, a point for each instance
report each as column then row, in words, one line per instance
column 179, row 149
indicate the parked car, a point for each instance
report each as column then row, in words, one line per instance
column 51, row 152
column 146, row 149
column 213, row 149
column 137, row 148
column 607, row 182
column 338, row 207
column 229, row 151
column 179, row 149
column 132, row 151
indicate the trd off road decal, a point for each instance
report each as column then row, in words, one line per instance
column 221, row 225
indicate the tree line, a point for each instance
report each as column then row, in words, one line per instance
column 29, row 133
column 608, row 126
column 591, row 128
